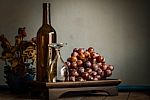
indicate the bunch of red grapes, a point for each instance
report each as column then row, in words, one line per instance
column 87, row 65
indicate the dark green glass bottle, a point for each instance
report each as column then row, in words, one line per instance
column 44, row 37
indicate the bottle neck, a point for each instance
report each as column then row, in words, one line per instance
column 46, row 14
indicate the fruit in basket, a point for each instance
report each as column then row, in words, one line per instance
column 87, row 65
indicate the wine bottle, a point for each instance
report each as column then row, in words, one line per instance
column 45, row 35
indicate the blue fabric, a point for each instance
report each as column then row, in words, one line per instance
column 123, row 87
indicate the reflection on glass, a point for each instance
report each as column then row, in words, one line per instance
column 57, row 69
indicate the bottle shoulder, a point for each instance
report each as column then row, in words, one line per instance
column 46, row 29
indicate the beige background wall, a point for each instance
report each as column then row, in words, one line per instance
column 117, row 29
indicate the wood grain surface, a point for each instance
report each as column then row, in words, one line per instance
column 7, row 95
column 107, row 82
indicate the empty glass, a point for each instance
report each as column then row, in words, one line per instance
column 57, row 69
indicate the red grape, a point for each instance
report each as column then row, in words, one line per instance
column 80, row 79
column 98, row 59
column 69, row 59
column 91, row 49
column 81, row 50
column 110, row 67
column 103, row 74
column 94, row 55
column 73, row 65
column 68, row 63
column 75, row 50
column 74, row 73
column 85, row 75
column 89, row 70
column 74, row 54
column 90, row 78
column 93, row 73
column 87, row 54
column 108, row 73
column 99, row 65
column 102, row 59
column 73, row 59
column 79, row 63
column 95, row 79
column 104, row 67
column 98, row 76
column 81, row 56
column 81, row 69
column 87, row 64
column 95, row 67
column 99, row 71
column 72, row 78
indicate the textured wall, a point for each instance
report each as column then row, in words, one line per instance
column 117, row 29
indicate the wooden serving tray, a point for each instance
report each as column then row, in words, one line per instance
column 57, row 89
column 106, row 82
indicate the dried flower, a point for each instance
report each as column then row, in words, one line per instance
column 20, row 56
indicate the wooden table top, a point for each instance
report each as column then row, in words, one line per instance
column 7, row 95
